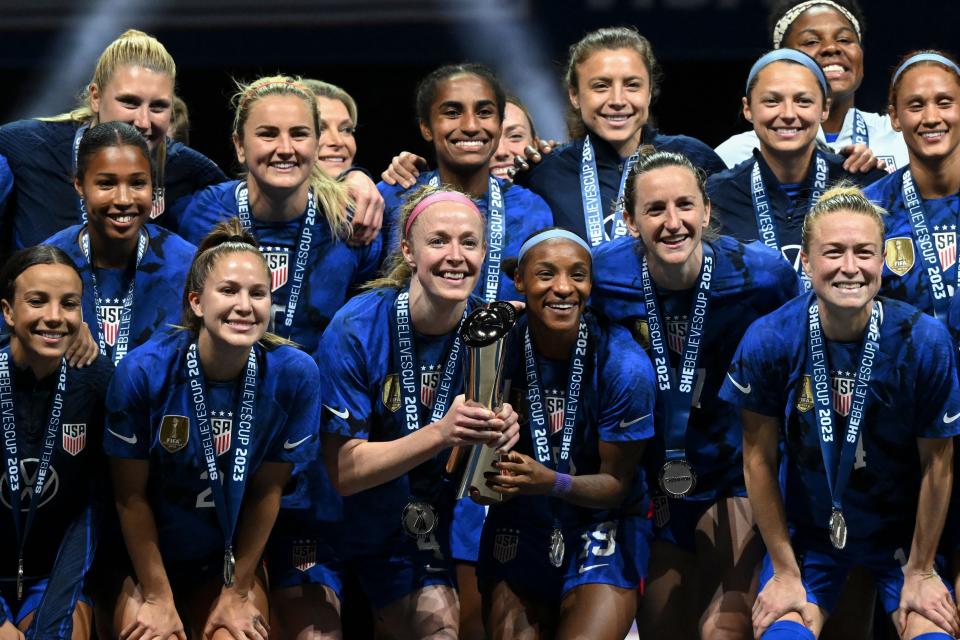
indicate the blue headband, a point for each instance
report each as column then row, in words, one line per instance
column 550, row 234
column 925, row 57
column 793, row 55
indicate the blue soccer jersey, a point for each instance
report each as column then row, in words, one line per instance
column 524, row 213
column 152, row 418
column 158, row 280
column 748, row 282
column 905, row 269
column 44, row 201
column 330, row 269
column 558, row 177
column 913, row 393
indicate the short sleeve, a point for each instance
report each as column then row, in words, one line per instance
column 627, row 390
column 298, row 441
column 937, row 395
column 756, row 379
column 127, row 428
column 347, row 407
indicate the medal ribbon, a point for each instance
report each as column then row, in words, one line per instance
column 405, row 362
column 928, row 250
column 860, row 133
column 677, row 395
column 838, row 473
column 11, row 452
column 126, row 312
column 302, row 248
column 590, row 196
column 227, row 514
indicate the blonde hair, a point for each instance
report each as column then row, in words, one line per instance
column 397, row 272
column 844, row 196
column 331, row 195
column 330, row 91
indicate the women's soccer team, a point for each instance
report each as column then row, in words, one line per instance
column 227, row 406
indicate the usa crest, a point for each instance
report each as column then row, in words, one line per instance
column 661, row 511
column 842, row 382
column 390, row 394
column 676, row 332
column 174, row 432
column 555, row 402
column 304, row 554
column 429, row 377
column 945, row 239
column 222, row 428
column 278, row 259
column 805, row 395
column 505, row 545
column 900, row 256
column 159, row 203
column 110, row 313
column 74, row 438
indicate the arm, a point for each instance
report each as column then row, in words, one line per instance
column 368, row 207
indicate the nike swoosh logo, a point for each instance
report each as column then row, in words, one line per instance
column 293, row 445
column 587, row 567
column 343, row 415
column 948, row 419
column 624, row 424
column 744, row 389
column 128, row 439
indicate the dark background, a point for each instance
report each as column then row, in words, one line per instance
column 378, row 49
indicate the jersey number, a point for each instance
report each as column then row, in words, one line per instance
column 605, row 538
column 205, row 497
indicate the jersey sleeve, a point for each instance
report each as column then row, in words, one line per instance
column 627, row 390
column 347, row 408
column 937, row 394
column 298, row 441
column 6, row 186
column 756, row 379
column 199, row 214
column 127, row 427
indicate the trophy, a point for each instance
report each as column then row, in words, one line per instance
column 484, row 334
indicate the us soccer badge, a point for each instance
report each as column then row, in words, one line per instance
column 174, row 432
column 900, row 256
column 74, row 438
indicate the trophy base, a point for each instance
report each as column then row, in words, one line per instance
column 474, row 484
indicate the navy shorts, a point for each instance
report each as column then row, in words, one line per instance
column 675, row 519
column 33, row 592
column 465, row 530
column 302, row 550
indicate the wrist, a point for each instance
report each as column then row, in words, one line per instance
column 346, row 172
column 562, row 485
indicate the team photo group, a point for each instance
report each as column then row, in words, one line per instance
column 622, row 385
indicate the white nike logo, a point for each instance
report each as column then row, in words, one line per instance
column 340, row 414
column 587, row 567
column 948, row 419
column 744, row 389
column 624, row 424
column 293, row 445
column 128, row 439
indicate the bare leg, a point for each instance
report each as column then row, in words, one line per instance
column 82, row 622
column 597, row 612
column 853, row 617
column 670, row 596
column 432, row 612
column 471, row 618
column 510, row 617
column 305, row 612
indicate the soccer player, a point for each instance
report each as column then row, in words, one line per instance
column 338, row 124
column 560, row 558
column 923, row 199
column 204, row 427
column 52, row 482
column 765, row 198
column 393, row 371
column 299, row 214
column 688, row 295
column 848, row 402
column 133, row 272
column 831, row 32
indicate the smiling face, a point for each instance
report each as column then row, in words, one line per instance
column 338, row 147
column 517, row 135
column 44, row 314
column 826, row 36
column 279, row 145
column 118, row 192
column 445, row 249
column 464, row 123
column 613, row 96
column 669, row 216
column 555, row 278
column 234, row 305
column 786, row 107
column 844, row 260
column 927, row 111
column 138, row 96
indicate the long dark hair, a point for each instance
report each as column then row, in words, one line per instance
column 29, row 257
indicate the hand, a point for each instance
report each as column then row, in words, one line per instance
column 467, row 423
column 367, row 210
column 83, row 350
column 156, row 618
column 520, row 474
column 404, row 169
column 234, row 611
column 532, row 156
column 510, row 431
column 924, row 593
column 9, row 631
column 781, row 595
column 860, row 159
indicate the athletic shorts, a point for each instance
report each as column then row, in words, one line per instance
column 302, row 550
column 465, row 530
column 675, row 519
column 33, row 592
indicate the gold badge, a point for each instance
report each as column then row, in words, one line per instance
column 805, row 396
column 641, row 333
column 174, row 432
column 391, row 393
column 900, row 256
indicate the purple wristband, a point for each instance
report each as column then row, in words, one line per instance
column 562, row 485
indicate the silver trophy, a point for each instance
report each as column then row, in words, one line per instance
column 484, row 333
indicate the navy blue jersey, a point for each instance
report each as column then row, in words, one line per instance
column 913, row 393
column 44, row 201
column 557, row 177
column 730, row 195
column 160, row 279
column 151, row 417
column 616, row 405
column 362, row 399
column 6, row 184
column 524, row 213
column 749, row 281
column 904, row 273
column 333, row 269
column 77, row 471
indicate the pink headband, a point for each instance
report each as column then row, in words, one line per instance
column 434, row 198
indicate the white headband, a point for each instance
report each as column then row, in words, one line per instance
column 783, row 24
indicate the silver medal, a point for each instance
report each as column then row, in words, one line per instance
column 677, row 478
column 229, row 567
column 557, row 548
column 418, row 519
column 838, row 529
